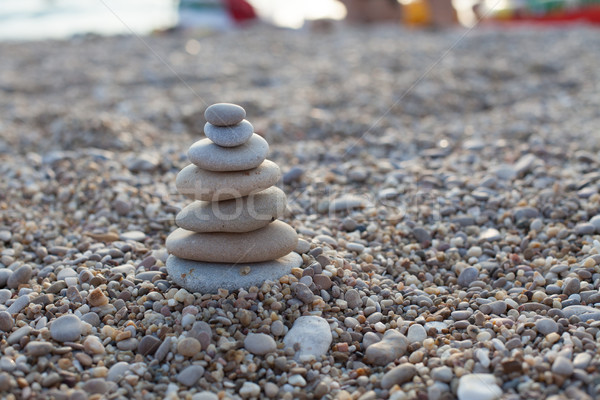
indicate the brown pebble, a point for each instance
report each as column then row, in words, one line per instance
column 6, row 321
column 148, row 345
column 96, row 298
column 322, row 281
column 189, row 347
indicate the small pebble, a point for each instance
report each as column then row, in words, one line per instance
column 188, row 347
column 259, row 343
column 66, row 328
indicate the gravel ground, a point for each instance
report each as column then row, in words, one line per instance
column 448, row 229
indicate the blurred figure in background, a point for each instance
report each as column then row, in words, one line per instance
column 434, row 13
column 215, row 14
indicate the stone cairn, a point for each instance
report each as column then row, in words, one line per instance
column 229, row 237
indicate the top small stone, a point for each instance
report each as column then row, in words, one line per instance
column 224, row 114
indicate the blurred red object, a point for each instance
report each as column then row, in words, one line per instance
column 240, row 10
column 590, row 14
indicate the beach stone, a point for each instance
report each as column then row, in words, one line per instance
column 236, row 215
column 478, row 387
column 422, row 235
column 200, row 277
column 6, row 321
column 5, row 235
column 293, row 175
column 525, row 164
column 309, row 336
column 211, row 157
column 5, row 273
column 19, row 334
column 505, row 172
column 19, row 277
column 249, row 389
column 259, row 343
column 490, row 235
column 205, row 395
column 521, row 213
column 571, row 286
column 277, row 328
column 323, row 282
column 117, row 371
column 230, row 135
column 583, row 312
column 467, row 276
column 91, row 318
column 271, row 242
column 38, row 348
column 562, row 366
column 443, row 374
column 148, row 345
column 136, row 236
column 143, row 163
column 495, row 307
column 303, row 293
column 224, row 114
column 595, row 221
column 398, row 375
column 65, row 273
column 93, row 345
column 347, row 203
column 188, row 347
column 66, row 328
column 163, row 349
column 353, row 299
column 5, row 382
column 392, row 346
column 460, row 315
column 190, row 375
column 416, row 334
column 19, row 304
column 201, row 184
column 582, row 360
column 95, row 386
column 584, row 229
column 546, row 326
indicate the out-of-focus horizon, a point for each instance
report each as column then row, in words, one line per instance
column 61, row 19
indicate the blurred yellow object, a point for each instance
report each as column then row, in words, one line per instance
column 416, row 12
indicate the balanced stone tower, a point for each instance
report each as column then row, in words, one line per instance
column 229, row 237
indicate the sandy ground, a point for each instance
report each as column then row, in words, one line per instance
column 463, row 151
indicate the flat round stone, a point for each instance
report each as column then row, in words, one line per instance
column 201, row 184
column 229, row 136
column 224, row 114
column 237, row 215
column 202, row 277
column 211, row 157
column 273, row 241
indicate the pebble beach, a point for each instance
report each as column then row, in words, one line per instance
column 444, row 186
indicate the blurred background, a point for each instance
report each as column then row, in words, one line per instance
column 41, row 19
column 120, row 74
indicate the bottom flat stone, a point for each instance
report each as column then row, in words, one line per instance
column 205, row 277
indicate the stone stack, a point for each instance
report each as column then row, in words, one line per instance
column 229, row 237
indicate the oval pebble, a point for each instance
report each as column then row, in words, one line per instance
column 224, row 114
column 212, row 157
column 259, row 343
column 230, row 135
column 66, row 328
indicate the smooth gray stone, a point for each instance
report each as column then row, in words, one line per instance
column 237, row 215
column 224, row 114
column 211, row 157
column 583, row 312
column 229, row 136
column 202, row 277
